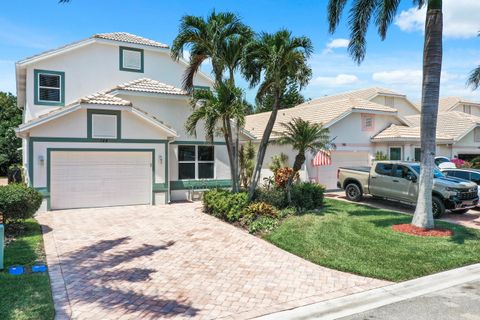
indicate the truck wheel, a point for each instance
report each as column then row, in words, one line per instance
column 353, row 192
column 462, row 211
column 438, row 208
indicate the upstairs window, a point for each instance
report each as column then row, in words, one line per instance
column 390, row 101
column 131, row 59
column 476, row 134
column 49, row 87
column 368, row 122
column 467, row 109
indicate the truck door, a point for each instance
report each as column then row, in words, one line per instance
column 381, row 180
column 404, row 184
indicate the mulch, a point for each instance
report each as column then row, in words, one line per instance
column 422, row 232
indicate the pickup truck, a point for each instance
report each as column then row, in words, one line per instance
column 397, row 180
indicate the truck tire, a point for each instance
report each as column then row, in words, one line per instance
column 438, row 208
column 353, row 192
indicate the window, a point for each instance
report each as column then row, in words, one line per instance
column 475, row 177
column 418, row 154
column 104, row 124
column 449, row 173
column 384, row 169
column 403, row 172
column 196, row 162
column 49, row 87
column 390, row 101
column 131, row 59
column 467, row 109
column 395, row 153
column 368, row 122
column 462, row 175
column 476, row 134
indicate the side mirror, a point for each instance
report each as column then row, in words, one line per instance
column 411, row 177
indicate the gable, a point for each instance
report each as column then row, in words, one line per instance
column 403, row 105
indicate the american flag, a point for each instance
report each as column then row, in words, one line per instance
column 322, row 158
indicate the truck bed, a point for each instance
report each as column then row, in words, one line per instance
column 360, row 168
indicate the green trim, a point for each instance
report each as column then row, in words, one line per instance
column 200, row 184
column 43, row 191
column 117, row 113
column 201, row 88
column 50, row 150
column 200, row 143
column 121, row 49
column 36, row 100
column 159, row 187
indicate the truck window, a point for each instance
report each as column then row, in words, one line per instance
column 384, row 169
column 462, row 175
column 402, row 172
column 475, row 177
column 449, row 173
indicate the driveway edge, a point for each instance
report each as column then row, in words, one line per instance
column 367, row 300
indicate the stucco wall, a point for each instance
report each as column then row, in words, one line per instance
column 95, row 67
column 401, row 104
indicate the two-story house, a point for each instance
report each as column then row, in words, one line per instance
column 104, row 125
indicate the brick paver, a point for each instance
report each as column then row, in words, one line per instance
column 173, row 261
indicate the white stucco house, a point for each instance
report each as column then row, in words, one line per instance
column 365, row 121
column 104, row 125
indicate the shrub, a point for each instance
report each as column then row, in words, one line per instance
column 289, row 211
column 225, row 205
column 307, row 196
column 255, row 210
column 281, row 177
column 274, row 196
column 15, row 173
column 263, row 224
column 18, row 202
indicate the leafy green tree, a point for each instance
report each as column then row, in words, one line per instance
column 275, row 61
column 247, row 163
column 291, row 98
column 10, row 118
column 303, row 136
column 382, row 13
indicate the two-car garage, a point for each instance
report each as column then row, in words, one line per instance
column 93, row 178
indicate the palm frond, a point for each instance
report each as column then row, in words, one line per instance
column 359, row 20
column 385, row 14
column 474, row 79
column 335, row 10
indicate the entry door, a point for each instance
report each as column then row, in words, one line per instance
column 82, row 179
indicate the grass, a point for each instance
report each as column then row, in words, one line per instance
column 27, row 296
column 359, row 239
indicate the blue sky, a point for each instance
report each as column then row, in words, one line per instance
column 28, row 27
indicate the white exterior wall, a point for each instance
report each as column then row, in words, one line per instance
column 403, row 106
column 475, row 109
column 95, row 68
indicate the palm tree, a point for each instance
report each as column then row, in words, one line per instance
column 220, row 38
column 383, row 13
column 274, row 61
column 217, row 110
column 304, row 137
column 474, row 78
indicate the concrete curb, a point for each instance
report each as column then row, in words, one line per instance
column 367, row 300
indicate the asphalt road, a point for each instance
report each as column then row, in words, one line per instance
column 456, row 303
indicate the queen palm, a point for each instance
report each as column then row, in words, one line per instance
column 303, row 136
column 274, row 61
column 383, row 13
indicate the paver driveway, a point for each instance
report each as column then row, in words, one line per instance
column 146, row 262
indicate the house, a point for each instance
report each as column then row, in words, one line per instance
column 459, row 104
column 367, row 121
column 104, row 125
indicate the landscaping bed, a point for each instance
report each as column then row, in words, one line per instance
column 26, row 296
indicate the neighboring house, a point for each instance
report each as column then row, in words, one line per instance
column 458, row 104
column 104, row 125
column 365, row 121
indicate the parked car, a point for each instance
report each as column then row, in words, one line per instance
column 467, row 174
column 397, row 180
column 444, row 163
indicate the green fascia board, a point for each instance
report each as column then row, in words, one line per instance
column 200, row 184
column 36, row 100
column 117, row 113
column 142, row 54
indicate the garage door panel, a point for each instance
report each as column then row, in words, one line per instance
column 97, row 179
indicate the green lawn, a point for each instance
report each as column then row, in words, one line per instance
column 27, row 296
column 359, row 239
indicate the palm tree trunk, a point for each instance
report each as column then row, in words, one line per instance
column 263, row 146
column 432, row 68
column 227, row 133
column 297, row 165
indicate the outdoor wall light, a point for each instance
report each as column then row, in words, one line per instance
column 160, row 159
column 41, row 160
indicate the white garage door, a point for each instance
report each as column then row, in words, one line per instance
column 327, row 175
column 81, row 179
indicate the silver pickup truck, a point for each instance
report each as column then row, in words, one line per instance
column 396, row 180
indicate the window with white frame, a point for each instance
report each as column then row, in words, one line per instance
column 131, row 59
column 467, row 108
column 196, row 162
column 49, row 87
column 368, row 122
column 104, row 126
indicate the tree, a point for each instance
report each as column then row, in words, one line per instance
column 383, row 13
column 10, row 118
column 220, row 38
column 474, row 78
column 217, row 110
column 303, row 136
column 247, row 163
column 274, row 61
column 292, row 98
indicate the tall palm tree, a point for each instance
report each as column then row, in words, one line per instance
column 383, row 13
column 304, row 137
column 217, row 110
column 274, row 61
column 474, row 78
column 220, row 38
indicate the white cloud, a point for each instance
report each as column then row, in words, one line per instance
column 336, row 43
column 460, row 19
column 404, row 76
column 338, row 80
